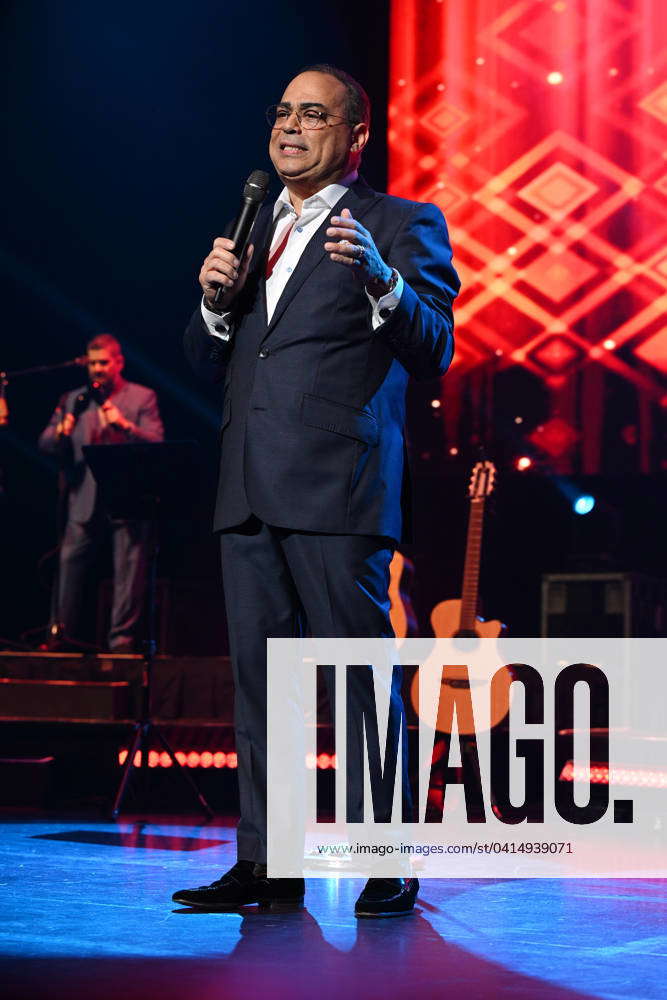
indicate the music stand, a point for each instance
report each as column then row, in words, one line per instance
column 147, row 481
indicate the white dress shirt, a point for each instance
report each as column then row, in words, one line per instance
column 313, row 213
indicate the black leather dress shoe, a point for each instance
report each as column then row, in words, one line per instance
column 245, row 883
column 387, row 897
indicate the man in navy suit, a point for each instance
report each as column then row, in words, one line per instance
column 342, row 296
column 109, row 410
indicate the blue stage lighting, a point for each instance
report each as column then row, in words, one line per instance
column 583, row 504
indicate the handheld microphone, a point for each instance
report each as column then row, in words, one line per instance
column 254, row 194
column 94, row 392
column 99, row 391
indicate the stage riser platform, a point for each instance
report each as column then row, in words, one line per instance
column 75, row 687
column 43, row 699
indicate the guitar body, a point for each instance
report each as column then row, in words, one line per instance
column 445, row 621
column 446, row 616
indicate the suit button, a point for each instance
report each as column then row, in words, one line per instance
column 264, row 353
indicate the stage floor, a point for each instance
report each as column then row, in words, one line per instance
column 87, row 913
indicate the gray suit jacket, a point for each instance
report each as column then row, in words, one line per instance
column 136, row 402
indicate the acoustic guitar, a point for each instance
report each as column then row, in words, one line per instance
column 4, row 411
column 401, row 612
column 458, row 618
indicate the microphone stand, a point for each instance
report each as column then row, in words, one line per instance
column 5, row 378
column 40, row 369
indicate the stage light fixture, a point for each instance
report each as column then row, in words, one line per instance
column 523, row 462
column 583, row 504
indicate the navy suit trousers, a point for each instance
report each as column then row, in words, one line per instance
column 285, row 584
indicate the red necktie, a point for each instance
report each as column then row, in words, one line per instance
column 278, row 252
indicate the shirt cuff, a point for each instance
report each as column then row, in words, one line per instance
column 218, row 325
column 384, row 306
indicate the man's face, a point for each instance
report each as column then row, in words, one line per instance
column 313, row 158
column 104, row 366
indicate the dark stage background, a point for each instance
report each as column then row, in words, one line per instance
column 131, row 131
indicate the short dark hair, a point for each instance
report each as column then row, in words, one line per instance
column 357, row 103
column 105, row 342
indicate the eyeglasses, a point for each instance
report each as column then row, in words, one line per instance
column 310, row 118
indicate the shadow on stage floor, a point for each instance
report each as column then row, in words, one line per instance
column 87, row 913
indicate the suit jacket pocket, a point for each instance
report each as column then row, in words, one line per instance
column 340, row 419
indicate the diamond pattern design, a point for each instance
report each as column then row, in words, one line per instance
column 558, row 275
column 556, row 437
column 558, row 191
column 552, row 34
column 556, row 354
column 444, row 119
column 555, row 195
column 656, row 103
column 446, row 196
column 654, row 350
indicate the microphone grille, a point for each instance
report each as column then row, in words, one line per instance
column 256, row 186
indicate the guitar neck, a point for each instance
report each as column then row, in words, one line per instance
column 473, row 557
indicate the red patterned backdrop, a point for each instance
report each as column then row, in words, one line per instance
column 539, row 128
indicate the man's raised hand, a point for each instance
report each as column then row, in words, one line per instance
column 65, row 425
column 114, row 417
column 221, row 267
column 356, row 249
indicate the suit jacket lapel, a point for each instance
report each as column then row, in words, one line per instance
column 358, row 199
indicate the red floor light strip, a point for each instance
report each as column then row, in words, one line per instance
column 323, row 761
column 190, row 758
column 599, row 774
column 206, row 758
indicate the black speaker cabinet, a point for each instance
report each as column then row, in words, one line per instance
column 603, row 604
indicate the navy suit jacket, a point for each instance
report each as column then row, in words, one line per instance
column 314, row 401
column 136, row 402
